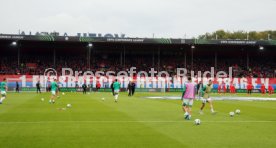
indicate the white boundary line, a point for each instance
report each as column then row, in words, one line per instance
column 48, row 122
column 217, row 98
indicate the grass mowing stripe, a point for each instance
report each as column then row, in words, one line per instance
column 83, row 107
column 9, row 104
column 46, row 122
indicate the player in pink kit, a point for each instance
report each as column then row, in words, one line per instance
column 188, row 99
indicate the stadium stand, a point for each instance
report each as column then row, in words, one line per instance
column 35, row 65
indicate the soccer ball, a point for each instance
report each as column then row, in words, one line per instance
column 69, row 105
column 42, row 99
column 197, row 121
column 103, row 99
column 231, row 114
column 63, row 93
column 238, row 111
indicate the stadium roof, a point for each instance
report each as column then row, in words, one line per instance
column 51, row 38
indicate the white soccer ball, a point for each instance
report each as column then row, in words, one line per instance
column 197, row 121
column 63, row 93
column 69, row 105
column 231, row 114
column 238, row 111
column 42, row 99
column 103, row 99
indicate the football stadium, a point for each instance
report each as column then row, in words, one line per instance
column 111, row 90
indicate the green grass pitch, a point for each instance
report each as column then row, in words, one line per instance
column 26, row 121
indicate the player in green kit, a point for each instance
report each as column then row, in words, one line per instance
column 206, row 91
column 54, row 87
column 116, row 86
column 3, row 90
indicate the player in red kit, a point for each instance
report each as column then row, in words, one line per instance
column 224, row 88
column 98, row 86
column 219, row 88
column 232, row 89
column 270, row 90
column 249, row 88
column 263, row 89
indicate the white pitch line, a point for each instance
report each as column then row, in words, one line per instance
column 47, row 122
column 219, row 98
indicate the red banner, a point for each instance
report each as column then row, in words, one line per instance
column 143, row 82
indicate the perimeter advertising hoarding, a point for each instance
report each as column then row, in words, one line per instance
column 29, row 81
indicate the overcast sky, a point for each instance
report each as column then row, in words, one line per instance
column 137, row 18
